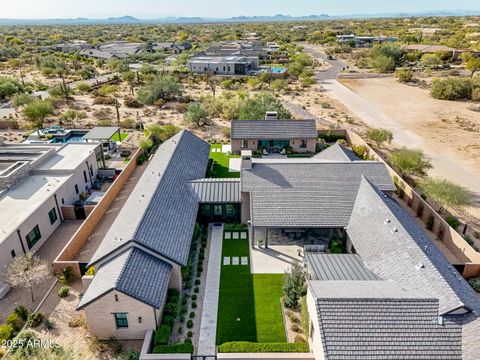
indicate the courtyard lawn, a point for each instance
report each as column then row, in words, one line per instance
column 222, row 160
column 115, row 137
column 249, row 304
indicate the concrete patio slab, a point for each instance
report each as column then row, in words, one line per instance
column 226, row 148
column 228, row 235
column 235, row 235
column 226, row 260
column 243, row 235
column 274, row 259
column 235, row 260
column 244, row 260
column 208, row 324
column 234, row 165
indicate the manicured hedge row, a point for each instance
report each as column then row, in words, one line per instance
column 250, row 347
column 173, row 349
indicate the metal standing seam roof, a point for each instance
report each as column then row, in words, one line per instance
column 160, row 212
column 381, row 320
column 135, row 273
column 274, row 129
column 308, row 193
column 101, row 133
column 393, row 246
column 337, row 152
column 338, row 267
column 213, row 190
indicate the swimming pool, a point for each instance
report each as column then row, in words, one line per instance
column 71, row 136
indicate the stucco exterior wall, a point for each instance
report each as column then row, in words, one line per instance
column 101, row 319
column 311, row 145
column 315, row 340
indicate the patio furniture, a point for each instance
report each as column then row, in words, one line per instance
column 265, row 152
column 283, row 152
column 314, row 248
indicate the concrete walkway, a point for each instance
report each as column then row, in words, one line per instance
column 208, row 324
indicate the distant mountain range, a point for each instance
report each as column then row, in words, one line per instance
column 236, row 19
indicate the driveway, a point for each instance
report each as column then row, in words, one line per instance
column 444, row 164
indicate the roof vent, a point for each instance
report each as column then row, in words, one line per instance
column 394, row 230
column 386, row 221
column 419, row 266
column 271, row 115
column 440, row 320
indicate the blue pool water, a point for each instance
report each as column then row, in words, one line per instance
column 278, row 70
column 73, row 137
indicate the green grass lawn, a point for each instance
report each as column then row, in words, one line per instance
column 222, row 163
column 254, row 299
column 123, row 136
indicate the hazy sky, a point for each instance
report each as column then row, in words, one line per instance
column 40, row 9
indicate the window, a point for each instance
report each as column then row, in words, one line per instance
column 63, row 201
column 52, row 214
column 91, row 170
column 121, row 320
column 85, row 176
column 312, row 330
column 303, row 144
column 217, row 210
column 13, row 253
column 206, row 210
column 76, row 189
column 116, row 297
column 33, row 237
column 243, row 144
column 230, row 210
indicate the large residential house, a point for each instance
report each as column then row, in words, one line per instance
column 274, row 135
column 222, row 65
column 392, row 295
column 115, row 50
column 35, row 182
column 364, row 41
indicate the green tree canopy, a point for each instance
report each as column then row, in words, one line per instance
column 37, row 111
column 294, row 285
column 164, row 87
column 409, row 162
column 196, row 114
column 379, row 136
column 255, row 108
column 9, row 87
column 445, row 192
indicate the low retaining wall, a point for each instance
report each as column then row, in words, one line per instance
column 78, row 240
column 9, row 124
column 147, row 348
column 266, row 356
column 453, row 241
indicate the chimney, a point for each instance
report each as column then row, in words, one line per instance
column 271, row 115
column 246, row 160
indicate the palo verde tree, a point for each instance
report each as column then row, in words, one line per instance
column 197, row 114
column 36, row 112
column 445, row 192
column 254, row 108
column 409, row 162
column 472, row 63
column 27, row 271
column 379, row 136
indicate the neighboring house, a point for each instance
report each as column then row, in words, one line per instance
column 432, row 49
column 236, row 48
column 171, row 47
column 68, row 47
column 219, row 65
column 274, row 135
column 364, row 41
column 35, row 182
column 97, row 54
column 142, row 254
column 116, row 50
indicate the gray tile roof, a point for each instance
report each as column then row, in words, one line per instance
column 338, row 267
column 274, row 129
column 393, row 246
column 337, row 152
column 381, row 320
column 308, row 192
column 135, row 273
column 160, row 212
column 213, row 190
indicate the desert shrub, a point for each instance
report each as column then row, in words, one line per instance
column 194, row 304
column 64, row 291
column 48, row 324
column 171, row 309
column 475, row 283
column 131, row 102
column 90, row 271
column 194, row 297
column 6, row 332
column 189, row 324
column 78, row 321
column 162, row 335
column 197, row 282
column 196, row 290
column 131, row 354
column 192, row 315
column 404, row 75
column 189, row 334
column 14, row 320
column 295, row 328
column 453, row 221
column 65, row 275
column 34, row 319
column 294, row 319
column 452, row 88
column 251, row 347
column 103, row 100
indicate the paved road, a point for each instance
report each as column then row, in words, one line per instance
column 444, row 164
column 336, row 66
